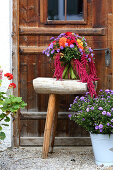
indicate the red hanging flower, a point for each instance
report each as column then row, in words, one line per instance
column 12, row 85
column 9, row 76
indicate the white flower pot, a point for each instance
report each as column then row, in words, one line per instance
column 103, row 148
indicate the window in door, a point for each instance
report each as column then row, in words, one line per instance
column 63, row 11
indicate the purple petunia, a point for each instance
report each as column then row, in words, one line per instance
column 83, row 119
column 71, row 46
column 112, row 109
column 100, row 108
column 101, row 90
column 111, row 120
column 104, row 113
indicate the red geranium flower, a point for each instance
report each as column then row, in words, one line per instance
column 12, row 85
column 9, row 76
column 68, row 33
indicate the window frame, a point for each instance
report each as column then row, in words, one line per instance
column 44, row 15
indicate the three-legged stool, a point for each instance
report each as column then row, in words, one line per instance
column 55, row 87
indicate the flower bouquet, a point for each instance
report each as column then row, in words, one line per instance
column 73, row 59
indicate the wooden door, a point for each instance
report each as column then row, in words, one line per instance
column 39, row 20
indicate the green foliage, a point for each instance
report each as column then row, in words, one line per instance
column 94, row 114
column 9, row 105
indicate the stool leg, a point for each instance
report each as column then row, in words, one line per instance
column 54, row 123
column 48, row 124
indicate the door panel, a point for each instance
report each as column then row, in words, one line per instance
column 34, row 36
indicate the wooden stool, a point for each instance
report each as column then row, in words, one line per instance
column 55, row 87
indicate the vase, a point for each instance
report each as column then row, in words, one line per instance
column 103, row 148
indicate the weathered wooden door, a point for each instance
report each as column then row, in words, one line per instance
column 39, row 20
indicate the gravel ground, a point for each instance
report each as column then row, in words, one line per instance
column 63, row 158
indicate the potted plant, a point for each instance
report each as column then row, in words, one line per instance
column 9, row 104
column 96, row 116
column 73, row 59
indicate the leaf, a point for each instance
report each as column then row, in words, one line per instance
column 2, row 115
column 0, row 128
column 2, row 135
column 7, row 119
column 5, row 124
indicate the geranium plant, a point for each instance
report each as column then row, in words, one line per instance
column 73, row 59
column 9, row 104
column 94, row 114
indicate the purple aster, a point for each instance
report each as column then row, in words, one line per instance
column 87, row 93
column 58, row 50
column 89, row 59
column 90, row 50
column 80, row 50
column 52, row 51
column 71, row 46
column 100, row 126
column 111, row 126
column 48, row 54
column 107, row 90
column 112, row 109
column 96, row 127
column 61, row 47
column 51, row 45
column 69, row 115
column 92, row 108
column 51, row 38
column 101, row 90
column 87, row 56
column 62, row 34
column 109, row 114
column 82, row 98
column 87, row 109
column 92, row 54
column 66, row 44
column 101, row 130
column 100, row 108
column 108, row 101
column 108, row 96
column 83, row 119
column 43, row 52
column 111, row 120
column 104, row 113
column 108, row 124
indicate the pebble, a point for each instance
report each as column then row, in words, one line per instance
column 63, row 158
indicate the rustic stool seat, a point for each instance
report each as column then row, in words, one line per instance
column 54, row 87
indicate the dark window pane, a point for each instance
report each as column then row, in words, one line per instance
column 56, row 9
column 74, row 9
